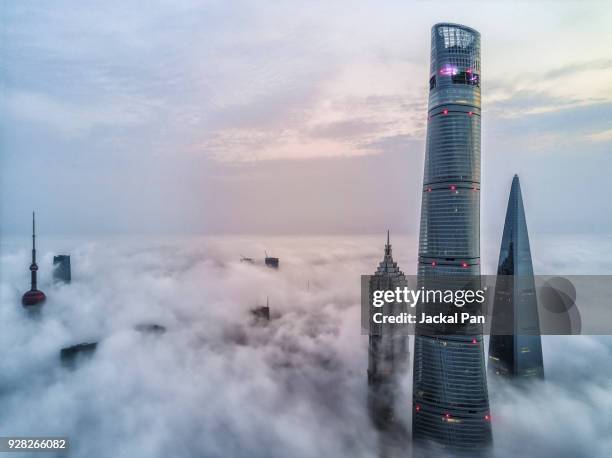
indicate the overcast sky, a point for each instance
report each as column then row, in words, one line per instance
column 181, row 116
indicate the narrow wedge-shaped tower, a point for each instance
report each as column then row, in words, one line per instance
column 34, row 298
column 515, row 348
column 450, row 394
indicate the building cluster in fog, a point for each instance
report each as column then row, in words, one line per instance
column 34, row 299
column 269, row 261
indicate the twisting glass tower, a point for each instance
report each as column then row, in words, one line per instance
column 515, row 347
column 450, row 396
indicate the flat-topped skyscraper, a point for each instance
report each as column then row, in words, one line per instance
column 450, row 394
column 61, row 268
column 515, row 348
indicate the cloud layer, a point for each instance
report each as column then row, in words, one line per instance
column 214, row 384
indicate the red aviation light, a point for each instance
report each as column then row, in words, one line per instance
column 445, row 112
column 470, row 113
column 474, row 341
column 434, row 263
column 417, row 408
column 453, row 187
column 428, row 189
column 464, row 264
column 487, row 417
column 447, row 416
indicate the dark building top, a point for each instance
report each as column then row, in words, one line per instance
column 69, row 355
column 388, row 267
column 261, row 313
column 33, row 298
column 271, row 262
column 515, row 348
column 150, row 328
column 61, row 268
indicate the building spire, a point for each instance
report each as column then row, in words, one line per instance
column 33, row 266
column 388, row 245
column 33, row 297
column 33, row 237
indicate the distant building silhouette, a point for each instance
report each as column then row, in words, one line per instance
column 261, row 313
column 388, row 351
column 515, row 347
column 33, row 299
column 150, row 328
column 271, row 262
column 70, row 355
column 61, row 268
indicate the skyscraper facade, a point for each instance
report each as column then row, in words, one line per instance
column 61, row 268
column 515, row 347
column 388, row 350
column 450, row 395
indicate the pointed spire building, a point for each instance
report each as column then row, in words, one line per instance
column 388, row 348
column 33, row 297
column 515, row 348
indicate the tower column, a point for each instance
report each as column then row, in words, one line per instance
column 34, row 297
column 450, row 395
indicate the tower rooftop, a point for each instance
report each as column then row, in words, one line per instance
column 455, row 25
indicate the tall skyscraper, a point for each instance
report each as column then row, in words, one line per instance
column 61, row 268
column 34, row 298
column 450, row 395
column 388, row 349
column 515, row 347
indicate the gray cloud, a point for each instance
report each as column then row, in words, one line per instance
column 401, row 144
column 577, row 67
column 528, row 102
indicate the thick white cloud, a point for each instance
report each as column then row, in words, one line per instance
column 215, row 385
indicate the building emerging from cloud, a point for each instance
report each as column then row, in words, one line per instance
column 34, row 298
column 450, row 395
column 515, row 348
column 388, row 352
column 61, row 268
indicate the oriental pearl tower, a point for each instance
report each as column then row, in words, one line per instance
column 34, row 298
